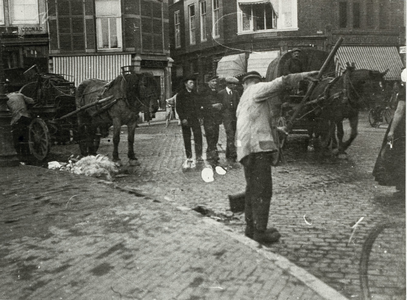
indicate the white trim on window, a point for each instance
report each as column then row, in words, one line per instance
column 203, row 18
column 177, row 29
column 192, row 25
column 215, row 18
column 277, row 15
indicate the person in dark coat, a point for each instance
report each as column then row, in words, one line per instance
column 294, row 65
column 390, row 166
column 188, row 109
column 229, row 98
column 212, row 118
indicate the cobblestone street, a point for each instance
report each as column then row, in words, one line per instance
column 76, row 237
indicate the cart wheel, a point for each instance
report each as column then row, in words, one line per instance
column 39, row 139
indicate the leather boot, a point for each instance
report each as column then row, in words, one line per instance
column 268, row 236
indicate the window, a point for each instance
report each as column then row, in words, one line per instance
column 258, row 17
column 343, row 14
column 108, row 24
column 203, row 20
column 369, row 14
column 177, row 25
column 215, row 18
column 267, row 15
column 383, row 14
column 1, row 13
column 191, row 11
column 24, row 12
column 356, row 15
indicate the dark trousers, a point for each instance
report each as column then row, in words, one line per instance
column 195, row 127
column 212, row 138
column 230, row 129
column 257, row 170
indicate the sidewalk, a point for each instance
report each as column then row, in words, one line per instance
column 74, row 237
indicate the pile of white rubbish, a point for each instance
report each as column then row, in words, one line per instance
column 96, row 166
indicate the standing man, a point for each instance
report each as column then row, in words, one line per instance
column 188, row 109
column 256, row 140
column 229, row 98
column 212, row 118
column 295, row 65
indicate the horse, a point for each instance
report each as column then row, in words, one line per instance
column 336, row 99
column 118, row 102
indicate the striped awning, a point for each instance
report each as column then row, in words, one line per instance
column 372, row 58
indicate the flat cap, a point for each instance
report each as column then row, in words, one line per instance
column 189, row 77
column 213, row 78
column 233, row 80
column 296, row 50
column 252, row 74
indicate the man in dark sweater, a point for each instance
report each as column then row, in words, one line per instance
column 188, row 109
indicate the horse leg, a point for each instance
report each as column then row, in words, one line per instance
column 82, row 135
column 131, row 128
column 91, row 137
column 116, row 139
column 353, row 122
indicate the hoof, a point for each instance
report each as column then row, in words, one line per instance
column 335, row 152
column 310, row 149
column 134, row 162
column 342, row 156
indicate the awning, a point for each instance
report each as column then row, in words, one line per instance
column 252, row 2
column 259, row 61
column 232, row 65
column 372, row 58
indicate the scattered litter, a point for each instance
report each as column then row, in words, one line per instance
column 220, row 170
column 307, row 220
column 96, row 166
column 354, row 226
column 207, row 174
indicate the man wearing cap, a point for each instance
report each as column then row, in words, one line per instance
column 212, row 118
column 256, row 140
column 229, row 98
column 188, row 109
column 294, row 65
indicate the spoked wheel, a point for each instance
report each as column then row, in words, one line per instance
column 39, row 140
column 387, row 115
column 382, row 263
column 278, row 155
column 372, row 120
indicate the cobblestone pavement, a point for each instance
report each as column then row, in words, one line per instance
column 74, row 237
column 331, row 194
column 316, row 201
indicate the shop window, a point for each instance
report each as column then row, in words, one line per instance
column 108, row 24
column 24, row 12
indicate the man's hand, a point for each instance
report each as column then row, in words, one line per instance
column 217, row 106
column 282, row 130
column 311, row 76
column 184, row 122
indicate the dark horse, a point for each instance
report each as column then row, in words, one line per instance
column 120, row 103
column 336, row 99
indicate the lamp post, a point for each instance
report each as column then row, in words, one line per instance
column 8, row 155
